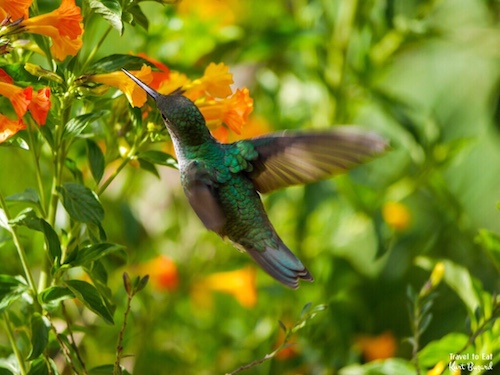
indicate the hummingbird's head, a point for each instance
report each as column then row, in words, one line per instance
column 181, row 116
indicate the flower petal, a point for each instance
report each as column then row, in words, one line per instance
column 14, row 9
column 19, row 97
column 40, row 105
column 9, row 127
column 135, row 95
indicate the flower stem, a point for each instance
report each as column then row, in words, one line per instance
column 117, row 370
column 10, row 335
column 110, row 179
column 41, row 190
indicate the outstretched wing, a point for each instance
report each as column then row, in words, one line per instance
column 291, row 159
column 201, row 193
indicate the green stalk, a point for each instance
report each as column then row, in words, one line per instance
column 20, row 250
column 41, row 190
column 59, row 153
column 114, row 174
column 10, row 335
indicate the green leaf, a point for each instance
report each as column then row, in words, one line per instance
column 158, row 157
column 440, row 350
column 55, row 294
column 39, row 367
column 40, row 328
column 147, row 166
column 73, row 168
column 11, row 289
column 77, row 124
column 90, row 297
column 113, row 63
column 99, row 278
column 106, row 370
column 81, row 203
column 392, row 366
column 9, row 366
column 458, row 278
column 47, row 134
column 141, row 283
column 94, row 252
column 110, row 10
column 28, row 218
column 96, row 160
column 138, row 17
column 28, row 196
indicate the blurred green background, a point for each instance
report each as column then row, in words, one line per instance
column 425, row 74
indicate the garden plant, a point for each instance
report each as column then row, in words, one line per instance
column 104, row 267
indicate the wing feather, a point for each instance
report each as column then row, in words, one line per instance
column 201, row 193
column 286, row 160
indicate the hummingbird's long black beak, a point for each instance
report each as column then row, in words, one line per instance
column 152, row 93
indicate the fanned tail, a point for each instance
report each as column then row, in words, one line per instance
column 281, row 264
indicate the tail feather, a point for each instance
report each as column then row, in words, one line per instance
column 281, row 264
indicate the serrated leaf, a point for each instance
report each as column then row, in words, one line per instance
column 90, row 297
column 40, row 327
column 77, row 124
column 96, row 160
column 95, row 252
column 11, row 289
column 55, row 294
column 113, row 63
column 147, row 166
column 110, row 10
column 81, row 203
column 158, row 157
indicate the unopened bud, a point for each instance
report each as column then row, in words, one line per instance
column 40, row 72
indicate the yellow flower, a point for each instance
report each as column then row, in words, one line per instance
column 63, row 26
column 135, row 95
column 175, row 81
column 9, row 127
column 14, row 9
column 396, row 215
column 437, row 370
column 233, row 111
column 216, row 82
column 239, row 283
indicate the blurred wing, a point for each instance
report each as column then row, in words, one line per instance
column 303, row 158
column 201, row 193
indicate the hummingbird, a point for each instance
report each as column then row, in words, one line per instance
column 223, row 182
